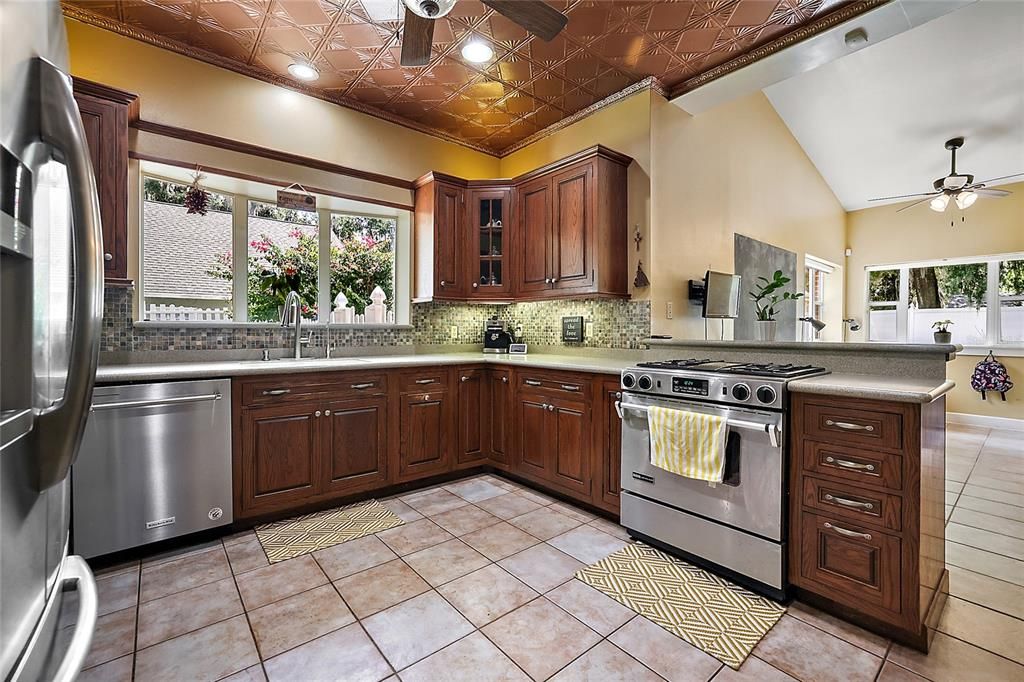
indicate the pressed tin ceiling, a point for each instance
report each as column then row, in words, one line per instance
column 530, row 85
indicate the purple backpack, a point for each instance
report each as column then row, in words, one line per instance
column 990, row 375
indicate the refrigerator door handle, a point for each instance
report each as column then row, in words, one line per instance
column 76, row 570
column 59, row 429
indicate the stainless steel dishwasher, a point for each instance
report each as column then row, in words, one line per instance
column 155, row 464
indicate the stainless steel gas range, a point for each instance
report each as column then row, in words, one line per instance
column 737, row 526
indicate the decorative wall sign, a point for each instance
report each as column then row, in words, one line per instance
column 299, row 200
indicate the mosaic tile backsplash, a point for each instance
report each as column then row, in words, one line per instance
column 617, row 324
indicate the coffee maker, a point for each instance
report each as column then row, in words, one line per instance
column 496, row 338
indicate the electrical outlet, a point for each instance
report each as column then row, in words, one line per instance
column 668, row 310
column 588, row 329
column 453, row 332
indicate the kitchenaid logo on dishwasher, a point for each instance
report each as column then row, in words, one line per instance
column 150, row 525
column 643, row 477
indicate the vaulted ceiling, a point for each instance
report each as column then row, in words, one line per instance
column 526, row 88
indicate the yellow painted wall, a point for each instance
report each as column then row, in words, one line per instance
column 187, row 93
column 734, row 169
column 880, row 236
column 625, row 127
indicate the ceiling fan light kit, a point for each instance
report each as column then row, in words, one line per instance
column 958, row 187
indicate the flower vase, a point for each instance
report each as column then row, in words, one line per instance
column 766, row 330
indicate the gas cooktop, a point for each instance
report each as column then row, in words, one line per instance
column 753, row 369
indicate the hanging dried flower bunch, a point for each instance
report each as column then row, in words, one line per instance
column 197, row 199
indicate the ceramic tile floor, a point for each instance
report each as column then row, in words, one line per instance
column 477, row 585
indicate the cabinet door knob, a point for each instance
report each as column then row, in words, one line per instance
column 317, row 413
column 554, row 279
column 327, row 413
column 443, row 283
column 504, row 380
column 108, row 257
column 475, row 285
column 465, row 378
column 551, row 408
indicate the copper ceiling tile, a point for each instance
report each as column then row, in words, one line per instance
column 530, row 84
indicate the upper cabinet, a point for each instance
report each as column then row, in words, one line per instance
column 106, row 113
column 555, row 232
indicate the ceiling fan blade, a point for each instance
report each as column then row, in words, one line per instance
column 906, row 196
column 995, row 193
column 417, row 37
column 920, row 201
column 1002, row 177
column 535, row 16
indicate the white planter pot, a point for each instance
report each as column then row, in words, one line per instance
column 766, row 330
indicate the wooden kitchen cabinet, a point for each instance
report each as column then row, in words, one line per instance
column 280, row 456
column 500, row 400
column 106, row 113
column 441, row 267
column 569, row 440
column 563, row 232
column 354, row 444
column 608, row 448
column 867, row 495
column 474, row 416
column 427, row 430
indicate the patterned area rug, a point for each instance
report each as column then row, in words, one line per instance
column 304, row 534
column 710, row 613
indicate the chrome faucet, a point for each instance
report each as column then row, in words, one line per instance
column 292, row 314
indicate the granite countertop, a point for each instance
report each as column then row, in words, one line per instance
column 865, row 386
column 871, row 387
column 230, row 368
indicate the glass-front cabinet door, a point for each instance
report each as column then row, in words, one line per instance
column 489, row 225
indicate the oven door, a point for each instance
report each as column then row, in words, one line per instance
column 750, row 498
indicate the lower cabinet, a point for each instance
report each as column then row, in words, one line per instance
column 280, row 456
column 311, row 438
column 427, row 435
column 354, row 444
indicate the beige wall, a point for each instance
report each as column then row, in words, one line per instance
column 734, row 169
column 625, row 127
column 187, row 93
column 879, row 236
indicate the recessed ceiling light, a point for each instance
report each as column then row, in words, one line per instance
column 304, row 72
column 477, row 51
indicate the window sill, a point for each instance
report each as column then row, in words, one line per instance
column 1014, row 351
column 209, row 324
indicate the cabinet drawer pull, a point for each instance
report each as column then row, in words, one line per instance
column 317, row 413
column 849, row 503
column 848, row 533
column 847, row 464
column 504, row 380
column 465, row 378
column 570, row 387
column 277, row 391
column 551, row 408
column 532, row 382
column 363, row 387
column 425, row 381
column 849, row 426
column 327, row 413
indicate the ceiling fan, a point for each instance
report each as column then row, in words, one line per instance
column 535, row 16
column 958, row 187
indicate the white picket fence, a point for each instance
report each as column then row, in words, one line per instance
column 176, row 313
column 969, row 325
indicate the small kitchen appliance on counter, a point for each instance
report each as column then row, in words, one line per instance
column 496, row 337
column 739, row 524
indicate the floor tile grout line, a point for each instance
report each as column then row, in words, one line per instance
column 982, row 549
column 832, row 634
column 987, row 530
column 981, row 648
column 885, row 657
column 358, row 621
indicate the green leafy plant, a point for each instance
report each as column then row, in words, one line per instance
column 942, row 326
column 766, row 299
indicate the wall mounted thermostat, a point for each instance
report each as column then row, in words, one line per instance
column 517, row 348
column 572, row 329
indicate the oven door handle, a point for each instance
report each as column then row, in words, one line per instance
column 771, row 429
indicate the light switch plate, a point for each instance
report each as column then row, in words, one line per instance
column 453, row 332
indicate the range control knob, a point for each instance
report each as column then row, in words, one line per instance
column 766, row 394
column 645, row 382
column 628, row 381
column 741, row 392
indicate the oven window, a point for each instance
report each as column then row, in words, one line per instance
column 731, row 472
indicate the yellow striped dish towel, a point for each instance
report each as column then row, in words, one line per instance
column 689, row 444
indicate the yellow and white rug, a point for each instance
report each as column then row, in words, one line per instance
column 304, row 534
column 716, row 616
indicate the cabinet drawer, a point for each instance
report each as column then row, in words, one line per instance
column 858, row 504
column 423, row 380
column 854, row 464
column 851, row 425
column 296, row 388
column 850, row 564
column 553, row 384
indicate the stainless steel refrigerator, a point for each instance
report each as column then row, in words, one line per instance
column 51, row 292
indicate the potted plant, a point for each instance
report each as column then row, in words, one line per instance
column 766, row 298
column 942, row 333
